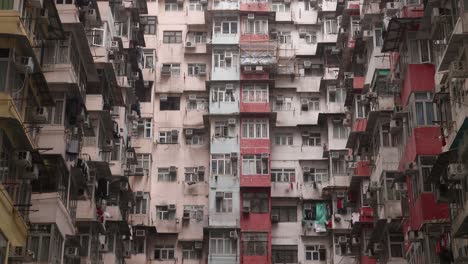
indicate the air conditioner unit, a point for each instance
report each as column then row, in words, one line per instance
column 342, row 240
column 201, row 170
column 274, row 218
column 186, row 215
column 456, row 171
column 233, row 234
column 234, row 156
column 219, row 195
column 411, row 167
column 250, row 16
column 163, row 97
column 40, row 115
column 71, row 251
column 307, row 64
column 247, row 68
column 378, row 248
column 334, row 155
column 188, row 132
column 232, row 121
column 165, row 70
column 23, row 158
column 189, row 44
column 114, row 45
column 192, row 97
column 367, row 34
column 259, row 68
column 348, row 158
column 171, row 207
column 265, row 156
column 229, row 87
column 306, row 170
column 246, row 206
column 140, row 233
column 198, row 245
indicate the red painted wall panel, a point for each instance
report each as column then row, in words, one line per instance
column 255, row 76
column 255, row 181
column 253, row 37
column 418, row 78
column 425, row 209
column 368, row 260
column 423, row 141
column 412, row 11
column 255, row 7
column 255, row 107
column 362, row 168
column 256, row 259
column 254, row 146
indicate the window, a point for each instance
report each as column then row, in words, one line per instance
column 196, row 69
column 138, row 245
column 283, row 103
column 396, row 245
column 283, row 175
column 225, row 59
column 8, row 4
column 144, row 161
column 316, row 253
column 163, row 213
column 194, row 212
column 391, row 193
column 284, row 139
column 193, row 175
column 339, row 131
column 254, row 244
column 199, row 103
column 197, row 37
column 168, row 137
column 336, row 95
column 150, row 26
column 284, row 254
column 360, row 108
column 172, row 37
column 141, row 204
column 259, row 202
column 121, row 28
column 424, row 109
column 223, row 202
column 284, row 37
column 221, row 164
column 170, row 103
column 314, row 104
column 339, row 166
column 195, row 140
column 310, row 38
column 255, row 128
column 173, row 6
column 427, row 162
column 195, row 5
column 313, row 70
column 331, row 26
column 190, row 252
column 145, row 128
column 148, row 56
column 96, row 37
column 222, row 244
column 57, row 112
column 39, row 244
column 171, row 69
column 221, row 129
column 164, row 175
column 254, row 165
column 255, row 93
column 164, row 252
column 316, row 175
column 226, row 26
column 378, row 37
column 385, row 135
column 221, row 94
column 312, row 139
column 420, row 50
column 254, row 26
column 285, row 213
column 280, row 7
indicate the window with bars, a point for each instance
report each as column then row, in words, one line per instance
column 259, row 202
column 284, row 139
column 254, row 165
column 255, row 93
column 193, row 175
column 254, row 244
column 315, row 253
column 255, row 128
column 164, row 253
column 223, row 202
column 283, row 175
column 221, row 164
column 281, row 254
column 285, row 213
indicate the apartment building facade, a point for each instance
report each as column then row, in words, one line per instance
column 226, row 132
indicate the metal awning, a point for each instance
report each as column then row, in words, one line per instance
column 394, row 32
column 83, row 49
column 441, row 163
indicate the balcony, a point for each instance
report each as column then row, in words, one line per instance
column 225, row 39
column 423, row 141
column 426, row 210
column 455, row 41
column 417, row 78
column 255, row 181
column 362, row 169
column 224, row 5
column 13, row 226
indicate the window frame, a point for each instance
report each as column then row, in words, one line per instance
column 253, row 128
column 172, row 36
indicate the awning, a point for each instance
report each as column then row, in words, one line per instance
column 11, row 123
column 83, row 49
column 394, row 32
column 441, row 163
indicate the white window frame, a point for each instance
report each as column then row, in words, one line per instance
column 148, row 54
column 145, row 161
column 96, row 39
column 255, row 128
column 165, row 137
column 165, row 176
column 221, row 244
column 285, row 105
column 174, row 68
column 229, row 23
column 200, row 104
column 283, row 175
column 331, row 26
column 167, row 251
column 196, row 5
column 340, row 131
column 223, row 164
column 195, row 140
column 317, row 175
column 224, row 204
column 313, row 140
column 225, row 59
column 191, row 175
column 254, row 26
column 284, row 37
column 219, row 94
column 164, row 214
column 312, row 253
column 255, row 93
column 141, row 208
column 284, row 139
column 251, row 163
column 194, row 69
column 172, row 6
column 280, row 7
